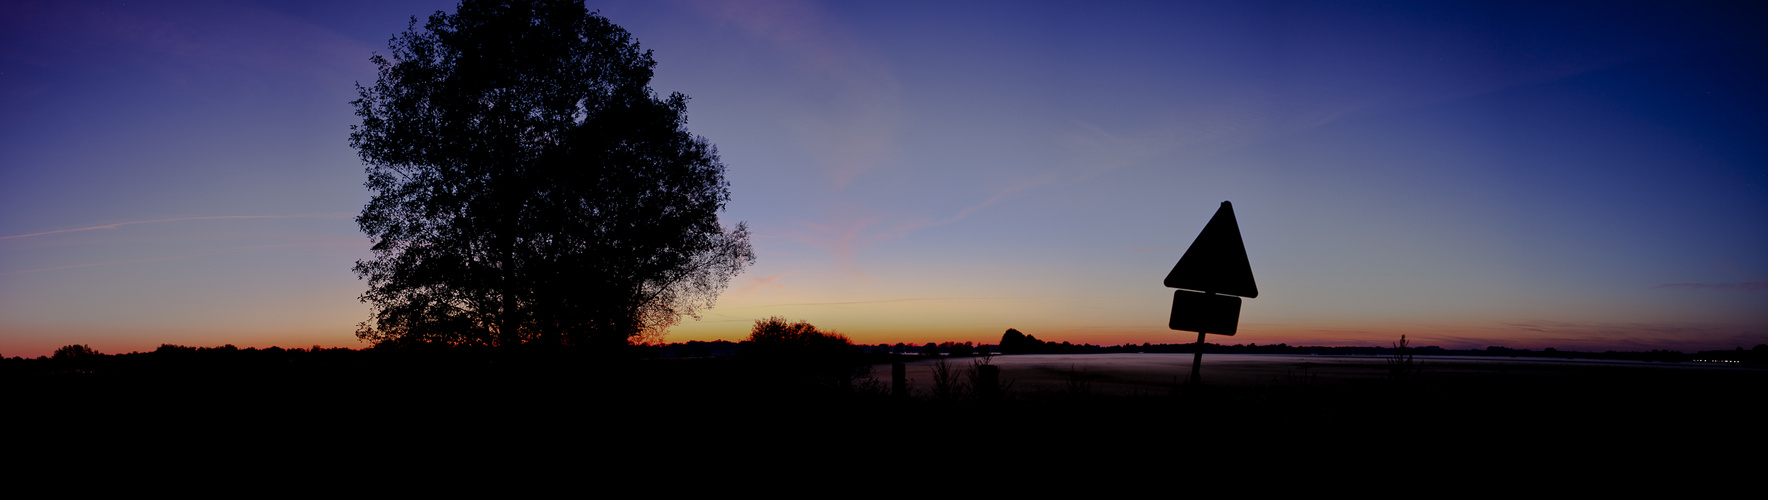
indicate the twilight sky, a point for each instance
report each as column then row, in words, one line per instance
column 1584, row 176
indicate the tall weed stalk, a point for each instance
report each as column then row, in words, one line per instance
column 946, row 383
column 1401, row 366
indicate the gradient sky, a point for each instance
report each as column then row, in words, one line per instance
column 1584, row 176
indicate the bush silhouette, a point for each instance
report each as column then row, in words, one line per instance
column 75, row 351
column 784, row 347
column 774, row 337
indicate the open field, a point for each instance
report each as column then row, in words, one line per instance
column 1442, row 399
column 1146, row 374
column 1096, row 405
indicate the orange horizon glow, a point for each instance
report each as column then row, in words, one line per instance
column 1567, row 338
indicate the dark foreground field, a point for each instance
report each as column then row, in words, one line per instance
column 1301, row 410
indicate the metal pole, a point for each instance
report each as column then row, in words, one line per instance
column 1197, row 361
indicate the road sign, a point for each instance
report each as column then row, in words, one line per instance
column 1205, row 312
column 1216, row 261
column 1208, row 277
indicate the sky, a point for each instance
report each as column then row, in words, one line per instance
column 1578, row 175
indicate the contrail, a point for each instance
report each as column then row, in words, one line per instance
column 212, row 217
column 159, row 259
column 926, row 299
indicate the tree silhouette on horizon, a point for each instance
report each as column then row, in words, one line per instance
column 530, row 187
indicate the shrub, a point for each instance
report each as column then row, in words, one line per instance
column 798, row 347
column 75, row 351
column 774, row 337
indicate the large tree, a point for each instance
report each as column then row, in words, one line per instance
column 530, row 187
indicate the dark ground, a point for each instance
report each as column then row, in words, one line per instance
column 1492, row 415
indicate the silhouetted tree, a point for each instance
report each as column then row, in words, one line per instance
column 798, row 348
column 530, row 187
column 958, row 349
column 1012, row 342
column 775, row 337
column 75, row 352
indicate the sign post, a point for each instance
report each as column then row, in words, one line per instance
column 1211, row 278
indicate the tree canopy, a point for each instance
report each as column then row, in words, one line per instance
column 786, row 348
column 530, row 187
column 776, row 337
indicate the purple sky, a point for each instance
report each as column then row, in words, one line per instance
column 1584, row 176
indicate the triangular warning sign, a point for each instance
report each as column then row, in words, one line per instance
column 1216, row 261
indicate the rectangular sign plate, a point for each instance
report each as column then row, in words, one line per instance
column 1204, row 312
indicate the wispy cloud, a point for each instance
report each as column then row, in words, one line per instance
column 1236, row 118
column 1096, row 151
column 845, row 235
column 1003, row 193
column 764, row 282
column 856, row 131
column 840, row 238
column 234, row 34
column 927, row 299
column 1748, row 286
column 180, row 219
column 205, row 253
column 884, row 301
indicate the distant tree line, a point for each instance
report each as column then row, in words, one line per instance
column 80, row 358
column 1015, row 342
column 1757, row 355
